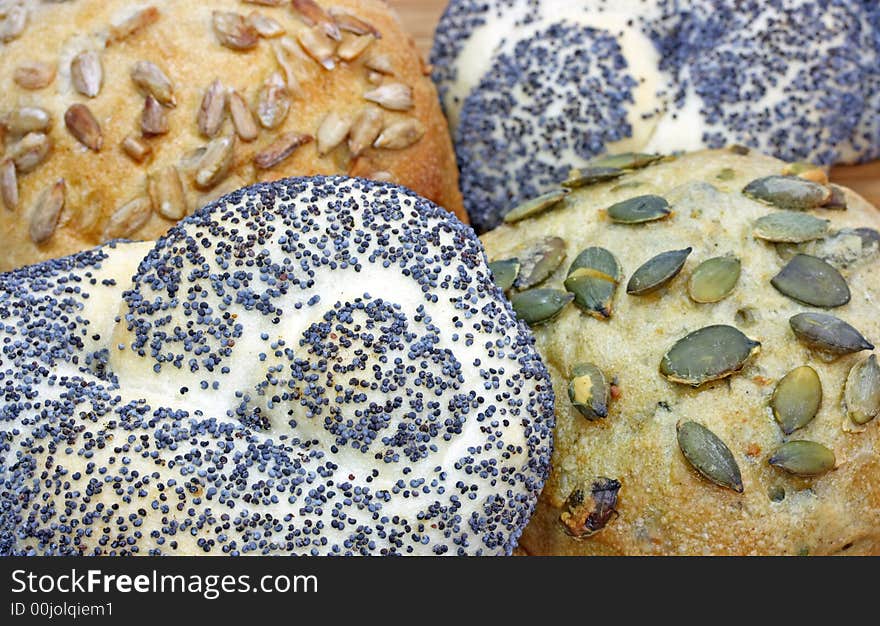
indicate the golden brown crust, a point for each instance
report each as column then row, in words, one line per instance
column 182, row 43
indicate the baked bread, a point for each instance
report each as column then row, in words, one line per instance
column 110, row 96
column 533, row 88
column 675, row 429
column 311, row 366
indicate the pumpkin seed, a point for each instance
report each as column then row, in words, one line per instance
column 214, row 164
column 280, row 149
column 788, row 192
column 657, row 272
column 233, row 31
column 807, row 171
column 597, row 259
column 626, row 160
column 828, row 334
column 707, row 354
column 837, row 201
column 589, row 391
column 87, row 73
column 714, row 279
column 9, row 184
column 273, row 101
column 313, row 15
column 539, row 259
column 128, row 219
column 796, row 398
column 400, row 134
column 30, row 151
column 862, row 392
column 242, row 118
column 44, row 217
column 632, row 184
column 212, row 110
column 728, row 173
column 392, row 96
column 639, row 210
column 846, row 246
column 537, row 306
column 803, row 458
column 589, row 508
column 505, row 272
column 535, row 206
column 154, row 120
column 83, row 126
column 790, row 227
column 34, row 75
column 152, row 81
column 812, row 281
column 593, row 291
column 166, row 193
column 776, row 493
column 740, row 150
column 365, row 130
column 592, row 176
column 136, row 148
column 709, row 455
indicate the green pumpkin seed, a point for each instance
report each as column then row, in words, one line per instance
column 739, row 149
column 707, row 354
column 535, row 206
column 505, row 272
column 537, row 306
column 828, row 334
column 633, row 184
column 626, row 160
column 538, row 259
column 590, row 507
column 862, row 392
column 657, row 272
column 588, row 391
column 593, row 291
column 790, row 227
column 840, row 249
column 796, row 399
column 599, row 259
column 837, row 201
column 776, row 493
column 812, row 281
column 709, row 455
column 728, row 173
column 592, row 176
column 714, row 279
column 639, row 210
column 788, row 192
column 803, row 458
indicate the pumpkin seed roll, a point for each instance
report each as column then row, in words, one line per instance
column 533, row 87
column 119, row 118
column 709, row 322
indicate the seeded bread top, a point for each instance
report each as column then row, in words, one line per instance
column 699, row 316
column 147, row 111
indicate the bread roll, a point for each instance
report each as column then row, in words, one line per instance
column 147, row 111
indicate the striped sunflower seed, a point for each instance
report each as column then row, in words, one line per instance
column 44, row 217
column 153, row 81
column 132, row 24
column 233, row 30
column 212, row 110
column 136, row 148
column 128, row 219
column 273, row 101
column 365, row 130
column 313, row 15
column 392, row 96
column 265, row 26
column 332, row 132
column 9, row 184
column 83, row 126
column 215, row 162
column 318, row 46
column 154, row 119
column 280, row 149
column 30, row 151
column 34, row 75
column 166, row 193
column 87, row 73
column 242, row 118
column 353, row 24
column 400, row 134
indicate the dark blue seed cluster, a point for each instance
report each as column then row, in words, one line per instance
column 798, row 79
column 313, row 366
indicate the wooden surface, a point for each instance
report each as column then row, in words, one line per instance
column 420, row 18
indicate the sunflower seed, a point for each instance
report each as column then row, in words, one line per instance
column 34, row 75
column 44, row 217
column 392, row 96
column 837, row 201
column 626, row 160
column 639, row 210
column 132, row 24
column 273, row 102
column 166, row 193
column 537, row 306
column 657, row 272
column 212, row 111
column 280, row 149
column 353, row 46
column 538, row 259
column 24, row 120
column 214, row 164
column 87, row 73
column 400, row 134
column 828, row 334
column 83, row 126
column 381, row 176
column 280, row 49
column 267, row 3
column 153, row 81
column 233, row 31
column 812, row 281
column 862, row 393
column 599, row 259
column 375, row 78
column 379, row 62
column 353, row 24
column 790, row 227
column 535, row 206
column 796, row 399
column 788, row 192
column 714, row 279
column 128, row 219
column 365, row 130
column 504, row 272
column 318, row 46
column 803, row 458
column 332, row 132
column 136, row 148
column 30, row 151
column 589, row 509
column 264, row 25
column 807, row 171
column 154, row 120
column 13, row 23
column 591, row 176
column 589, row 391
column 708, row 354
column 314, row 15
column 9, row 184
column 709, row 455
column 242, row 118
